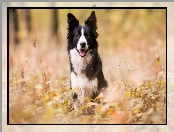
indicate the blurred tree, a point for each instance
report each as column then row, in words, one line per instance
column 13, row 23
column 54, row 24
column 27, row 19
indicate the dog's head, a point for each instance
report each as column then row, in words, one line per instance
column 82, row 38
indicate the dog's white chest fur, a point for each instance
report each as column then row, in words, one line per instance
column 79, row 80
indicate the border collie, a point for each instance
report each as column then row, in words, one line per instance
column 87, row 78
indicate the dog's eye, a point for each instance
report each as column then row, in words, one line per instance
column 87, row 36
column 77, row 36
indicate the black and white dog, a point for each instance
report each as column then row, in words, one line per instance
column 85, row 62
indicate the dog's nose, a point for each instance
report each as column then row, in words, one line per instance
column 83, row 44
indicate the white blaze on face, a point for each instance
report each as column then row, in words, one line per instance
column 82, row 40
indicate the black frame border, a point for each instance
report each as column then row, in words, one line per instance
column 76, row 8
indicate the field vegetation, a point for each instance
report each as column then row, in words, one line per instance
column 132, row 45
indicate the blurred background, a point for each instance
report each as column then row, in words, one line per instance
column 129, row 39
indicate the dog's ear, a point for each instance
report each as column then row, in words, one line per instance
column 72, row 21
column 92, row 21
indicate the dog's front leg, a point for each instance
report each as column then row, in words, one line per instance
column 76, row 101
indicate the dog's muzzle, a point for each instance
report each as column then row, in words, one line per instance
column 82, row 51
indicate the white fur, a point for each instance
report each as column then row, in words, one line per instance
column 79, row 62
column 85, row 86
column 81, row 40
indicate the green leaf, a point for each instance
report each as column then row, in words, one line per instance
column 39, row 86
column 74, row 89
column 128, row 94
